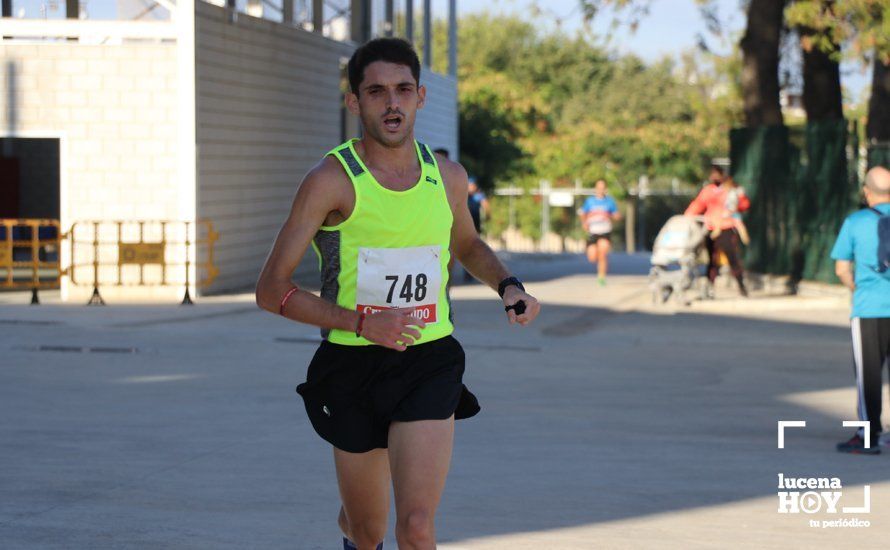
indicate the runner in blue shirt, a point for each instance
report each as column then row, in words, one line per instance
column 596, row 215
column 857, row 244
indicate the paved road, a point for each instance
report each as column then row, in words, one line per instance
column 609, row 424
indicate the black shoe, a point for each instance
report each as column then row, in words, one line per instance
column 856, row 445
column 349, row 545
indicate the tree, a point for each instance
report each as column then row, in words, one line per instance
column 863, row 27
column 878, row 128
column 760, row 50
column 822, row 97
column 760, row 63
column 549, row 106
column 489, row 133
column 544, row 105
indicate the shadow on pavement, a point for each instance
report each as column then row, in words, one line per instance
column 197, row 439
column 621, row 415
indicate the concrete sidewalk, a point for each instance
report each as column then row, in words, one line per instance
column 611, row 423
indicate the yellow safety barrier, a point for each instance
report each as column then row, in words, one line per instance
column 141, row 253
column 29, row 254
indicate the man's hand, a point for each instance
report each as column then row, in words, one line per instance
column 392, row 328
column 512, row 294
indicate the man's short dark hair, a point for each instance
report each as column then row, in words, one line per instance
column 442, row 151
column 392, row 50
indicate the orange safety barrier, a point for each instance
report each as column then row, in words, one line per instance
column 141, row 253
column 29, row 254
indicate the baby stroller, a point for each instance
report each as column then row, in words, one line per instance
column 675, row 257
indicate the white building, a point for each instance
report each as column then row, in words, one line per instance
column 212, row 114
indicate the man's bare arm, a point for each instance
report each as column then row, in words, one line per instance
column 844, row 271
column 472, row 252
column 313, row 202
column 466, row 245
column 582, row 217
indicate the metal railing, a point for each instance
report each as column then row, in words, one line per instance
column 29, row 254
column 85, row 30
column 140, row 253
column 106, row 253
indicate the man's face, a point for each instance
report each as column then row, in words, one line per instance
column 387, row 102
column 600, row 188
column 472, row 187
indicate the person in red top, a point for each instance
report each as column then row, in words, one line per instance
column 721, row 224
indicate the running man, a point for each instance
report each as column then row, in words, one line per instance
column 596, row 215
column 857, row 243
column 722, row 233
column 385, row 385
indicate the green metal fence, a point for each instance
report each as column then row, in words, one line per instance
column 879, row 154
column 802, row 182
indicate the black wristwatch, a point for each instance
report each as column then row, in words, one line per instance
column 507, row 282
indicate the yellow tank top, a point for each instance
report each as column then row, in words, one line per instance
column 392, row 251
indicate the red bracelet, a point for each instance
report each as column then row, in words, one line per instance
column 361, row 323
column 285, row 299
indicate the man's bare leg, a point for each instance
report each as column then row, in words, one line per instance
column 603, row 247
column 364, row 482
column 419, row 457
column 592, row 253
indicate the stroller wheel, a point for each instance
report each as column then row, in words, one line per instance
column 666, row 293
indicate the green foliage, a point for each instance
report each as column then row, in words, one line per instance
column 526, row 212
column 490, row 129
column 862, row 26
column 635, row 10
column 539, row 106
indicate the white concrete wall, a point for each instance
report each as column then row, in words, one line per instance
column 437, row 122
column 269, row 107
column 114, row 108
column 268, row 102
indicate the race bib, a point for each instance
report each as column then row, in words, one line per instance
column 399, row 278
column 599, row 226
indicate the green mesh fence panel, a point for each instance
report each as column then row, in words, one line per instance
column 879, row 155
column 825, row 183
column 801, row 189
column 761, row 159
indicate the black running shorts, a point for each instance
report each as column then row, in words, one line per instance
column 594, row 238
column 353, row 393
